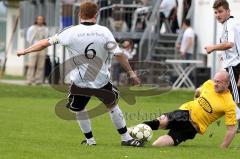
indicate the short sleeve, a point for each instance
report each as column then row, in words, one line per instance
column 63, row 37
column 230, row 112
column 112, row 45
column 190, row 33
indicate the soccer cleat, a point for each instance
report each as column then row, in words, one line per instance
column 133, row 142
column 89, row 142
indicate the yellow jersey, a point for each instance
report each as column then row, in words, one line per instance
column 210, row 106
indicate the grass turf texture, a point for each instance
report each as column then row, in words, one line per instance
column 29, row 128
column 8, row 77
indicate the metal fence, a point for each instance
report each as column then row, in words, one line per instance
column 30, row 9
column 126, row 19
column 2, row 34
column 3, row 22
column 150, row 33
column 118, row 17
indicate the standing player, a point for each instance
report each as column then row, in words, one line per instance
column 230, row 47
column 95, row 44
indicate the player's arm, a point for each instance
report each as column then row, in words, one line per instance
column 219, row 47
column 225, row 45
column 63, row 38
column 122, row 59
column 197, row 92
column 231, row 130
column 40, row 45
column 189, row 43
column 230, row 121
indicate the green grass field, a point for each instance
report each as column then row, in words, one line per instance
column 30, row 129
column 9, row 77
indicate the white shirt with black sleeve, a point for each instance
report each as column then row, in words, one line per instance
column 230, row 32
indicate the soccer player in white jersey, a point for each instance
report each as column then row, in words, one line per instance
column 95, row 44
column 229, row 44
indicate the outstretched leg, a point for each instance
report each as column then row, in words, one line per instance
column 161, row 123
column 164, row 140
column 181, row 128
column 120, row 124
column 117, row 116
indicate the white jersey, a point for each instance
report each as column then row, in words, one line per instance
column 188, row 33
column 230, row 32
column 91, row 47
column 166, row 7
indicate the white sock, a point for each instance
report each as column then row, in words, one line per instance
column 119, row 122
column 117, row 117
column 85, row 124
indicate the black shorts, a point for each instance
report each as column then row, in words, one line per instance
column 234, row 72
column 79, row 97
column 181, row 129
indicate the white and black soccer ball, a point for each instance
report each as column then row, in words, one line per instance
column 141, row 131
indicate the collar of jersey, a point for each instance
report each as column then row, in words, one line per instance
column 229, row 18
column 87, row 23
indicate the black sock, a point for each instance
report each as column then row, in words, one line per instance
column 154, row 124
column 88, row 135
column 122, row 130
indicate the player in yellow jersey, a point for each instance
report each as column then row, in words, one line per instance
column 212, row 101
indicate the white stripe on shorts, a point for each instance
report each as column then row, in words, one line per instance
column 234, row 85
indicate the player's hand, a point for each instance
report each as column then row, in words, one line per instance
column 135, row 81
column 182, row 54
column 178, row 47
column 20, row 52
column 133, row 78
column 209, row 49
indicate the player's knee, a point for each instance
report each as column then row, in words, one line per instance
column 163, row 119
column 110, row 107
column 82, row 115
column 157, row 143
column 163, row 141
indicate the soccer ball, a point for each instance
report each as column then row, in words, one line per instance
column 141, row 131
